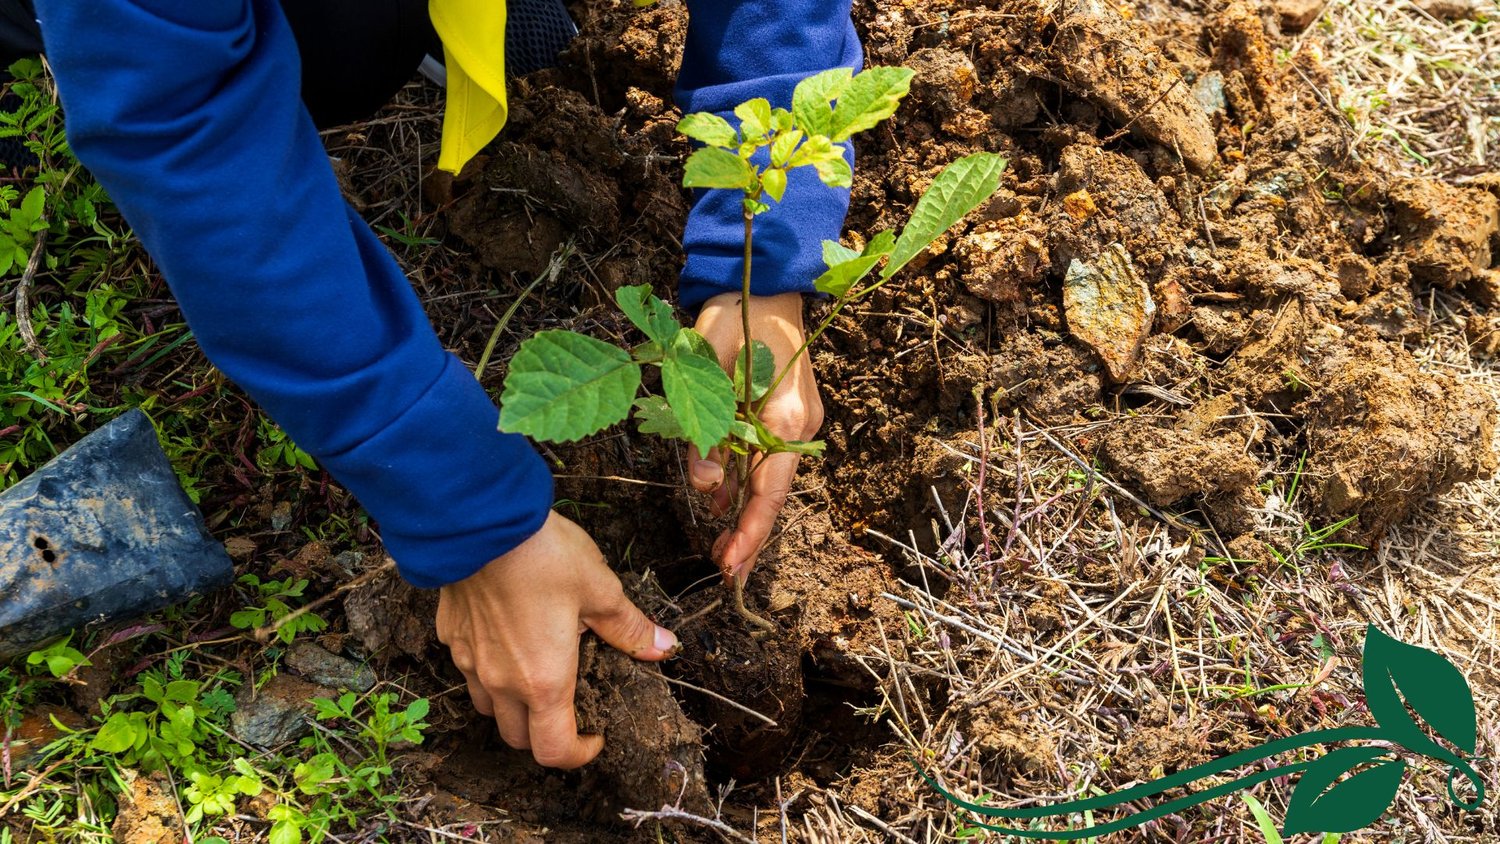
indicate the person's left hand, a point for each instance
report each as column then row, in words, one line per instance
column 793, row 412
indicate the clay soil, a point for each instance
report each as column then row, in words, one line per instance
column 1287, row 278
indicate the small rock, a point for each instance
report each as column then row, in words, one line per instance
column 1080, row 205
column 1109, row 308
column 1209, row 92
column 326, row 669
column 103, row 531
column 278, row 713
column 1452, row 10
column 1297, row 15
column 36, row 731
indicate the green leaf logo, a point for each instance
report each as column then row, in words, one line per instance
column 1395, row 676
column 1322, row 804
column 1430, row 684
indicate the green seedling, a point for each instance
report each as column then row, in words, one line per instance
column 274, row 599
column 563, row 386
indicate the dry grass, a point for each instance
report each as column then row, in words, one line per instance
column 1424, row 88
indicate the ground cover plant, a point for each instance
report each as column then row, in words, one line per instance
column 1043, row 581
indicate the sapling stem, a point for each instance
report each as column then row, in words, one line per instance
column 747, row 409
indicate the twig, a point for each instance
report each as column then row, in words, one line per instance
column 689, row 619
column 554, row 267
column 618, row 479
column 668, row 813
column 877, row 823
column 716, row 696
column 23, row 304
column 264, row 634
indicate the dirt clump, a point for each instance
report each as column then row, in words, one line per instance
column 1017, row 744
column 148, row 814
column 1383, row 435
column 1105, row 60
column 653, row 755
column 1447, row 234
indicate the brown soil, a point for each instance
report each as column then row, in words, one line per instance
column 148, row 814
column 1283, row 274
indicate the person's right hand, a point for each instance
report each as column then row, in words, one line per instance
column 513, row 629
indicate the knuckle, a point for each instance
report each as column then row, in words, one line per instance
column 815, row 416
column 554, row 756
column 491, row 678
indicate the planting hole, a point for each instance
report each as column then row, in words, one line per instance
column 40, row 542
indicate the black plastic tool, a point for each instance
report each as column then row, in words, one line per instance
column 103, row 532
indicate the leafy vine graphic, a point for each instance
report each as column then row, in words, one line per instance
column 1392, row 672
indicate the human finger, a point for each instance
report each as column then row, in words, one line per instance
column 555, row 741
column 769, row 487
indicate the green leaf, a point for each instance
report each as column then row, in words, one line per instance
column 655, row 416
column 1430, row 684
column 1263, row 820
column 811, row 98
column 116, row 736
column 564, row 386
column 743, row 430
column 285, row 832
column 699, row 393
column 1323, row 804
column 881, row 244
column 708, row 128
column 817, row 148
column 835, row 253
column 755, row 117
column 840, row 278
column 246, row 619
column 648, row 313
column 781, row 120
column 763, row 369
column 773, row 182
column 417, row 710
column 835, row 172
column 956, row 191
column 770, row 443
column 648, row 352
column 871, row 97
column 783, row 147
column 32, row 205
column 712, row 167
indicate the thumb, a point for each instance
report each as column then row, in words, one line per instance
column 625, row 627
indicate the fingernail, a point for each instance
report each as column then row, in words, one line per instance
column 666, row 641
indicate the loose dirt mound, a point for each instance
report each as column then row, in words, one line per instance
column 1186, row 240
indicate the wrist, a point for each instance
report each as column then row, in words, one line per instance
column 778, row 308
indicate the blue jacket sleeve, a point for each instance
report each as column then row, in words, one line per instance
column 738, row 50
column 191, row 117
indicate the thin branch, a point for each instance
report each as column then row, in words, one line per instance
column 667, row 813
column 23, row 303
column 716, row 696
